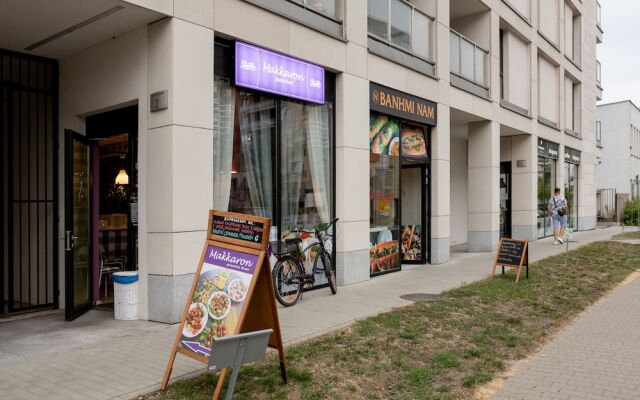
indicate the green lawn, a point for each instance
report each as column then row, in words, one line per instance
column 631, row 234
column 442, row 350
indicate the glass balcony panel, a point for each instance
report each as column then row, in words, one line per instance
column 454, row 48
column 401, row 24
column 378, row 18
column 598, row 14
column 421, row 35
column 598, row 72
column 467, row 59
column 480, row 64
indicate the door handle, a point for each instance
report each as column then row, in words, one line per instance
column 70, row 240
column 67, row 240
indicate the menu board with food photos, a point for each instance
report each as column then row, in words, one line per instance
column 389, row 136
column 232, row 292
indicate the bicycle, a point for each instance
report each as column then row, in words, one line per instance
column 289, row 277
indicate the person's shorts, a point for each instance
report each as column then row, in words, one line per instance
column 558, row 221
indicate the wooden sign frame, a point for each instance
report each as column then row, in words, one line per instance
column 259, row 311
column 524, row 260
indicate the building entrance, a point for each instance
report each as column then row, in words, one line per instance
column 413, row 212
column 505, row 199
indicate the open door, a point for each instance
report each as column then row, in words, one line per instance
column 78, row 254
column 505, row 199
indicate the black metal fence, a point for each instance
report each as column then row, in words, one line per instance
column 29, row 206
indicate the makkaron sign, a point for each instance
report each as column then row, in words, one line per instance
column 403, row 105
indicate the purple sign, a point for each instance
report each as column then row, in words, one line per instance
column 230, row 259
column 265, row 70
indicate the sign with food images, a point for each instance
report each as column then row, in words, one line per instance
column 232, row 291
column 391, row 137
column 219, row 298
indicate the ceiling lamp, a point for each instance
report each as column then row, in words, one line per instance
column 122, row 178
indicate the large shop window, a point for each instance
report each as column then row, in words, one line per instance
column 273, row 156
column 547, row 160
column 390, row 139
column 571, row 163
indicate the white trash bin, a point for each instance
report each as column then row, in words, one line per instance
column 125, row 288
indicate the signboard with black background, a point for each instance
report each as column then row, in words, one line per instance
column 403, row 105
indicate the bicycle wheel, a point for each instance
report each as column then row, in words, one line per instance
column 286, row 281
column 329, row 270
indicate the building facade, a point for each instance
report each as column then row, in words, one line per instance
column 475, row 110
column 618, row 154
column 619, row 146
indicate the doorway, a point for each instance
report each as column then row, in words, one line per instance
column 101, row 208
column 505, row 199
column 413, row 213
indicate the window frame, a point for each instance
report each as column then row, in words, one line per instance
column 431, row 39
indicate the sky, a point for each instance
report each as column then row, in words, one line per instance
column 619, row 52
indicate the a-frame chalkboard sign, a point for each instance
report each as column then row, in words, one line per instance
column 512, row 253
column 232, row 291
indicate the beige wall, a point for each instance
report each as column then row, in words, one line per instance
column 517, row 70
column 549, row 19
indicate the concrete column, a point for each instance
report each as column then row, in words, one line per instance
column 352, row 179
column 180, row 155
column 587, row 218
column 440, row 185
column 524, row 199
column 484, row 185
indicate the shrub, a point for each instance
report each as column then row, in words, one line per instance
column 631, row 212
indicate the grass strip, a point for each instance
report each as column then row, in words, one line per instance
column 627, row 235
column 441, row 350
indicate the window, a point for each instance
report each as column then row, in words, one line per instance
column 516, row 70
column 598, row 72
column 548, row 90
column 572, row 34
column 572, row 105
column 546, row 184
column 599, row 133
column 549, row 20
column 598, row 15
column 468, row 60
column 325, row 7
column 401, row 25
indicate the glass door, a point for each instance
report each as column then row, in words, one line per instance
column 78, row 253
column 505, row 199
column 412, row 215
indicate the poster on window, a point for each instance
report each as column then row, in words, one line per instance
column 413, row 142
column 218, row 299
column 411, row 242
column 384, row 135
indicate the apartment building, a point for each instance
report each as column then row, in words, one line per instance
column 618, row 163
column 125, row 121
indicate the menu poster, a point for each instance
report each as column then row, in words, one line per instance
column 238, row 228
column 219, row 297
column 232, row 292
column 512, row 253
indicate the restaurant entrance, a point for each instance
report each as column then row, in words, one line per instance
column 101, row 213
column 413, row 212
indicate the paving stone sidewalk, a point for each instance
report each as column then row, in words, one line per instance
column 595, row 358
column 120, row 359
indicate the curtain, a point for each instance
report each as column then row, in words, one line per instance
column 317, row 120
column 223, row 122
column 256, row 126
column 293, row 141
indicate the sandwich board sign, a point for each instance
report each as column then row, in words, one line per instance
column 512, row 253
column 232, row 291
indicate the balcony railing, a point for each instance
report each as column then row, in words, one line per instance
column 598, row 72
column 328, row 8
column 468, row 60
column 598, row 15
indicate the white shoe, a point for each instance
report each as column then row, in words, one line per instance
column 555, row 242
column 560, row 240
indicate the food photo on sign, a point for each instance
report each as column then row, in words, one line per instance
column 218, row 299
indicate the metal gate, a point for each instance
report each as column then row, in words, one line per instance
column 29, row 206
column 606, row 205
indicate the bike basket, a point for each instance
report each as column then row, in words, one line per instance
column 282, row 248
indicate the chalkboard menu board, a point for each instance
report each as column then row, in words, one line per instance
column 238, row 228
column 512, row 253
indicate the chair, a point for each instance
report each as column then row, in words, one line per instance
column 108, row 265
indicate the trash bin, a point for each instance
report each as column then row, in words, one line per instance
column 125, row 288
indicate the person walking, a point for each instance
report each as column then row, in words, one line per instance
column 558, row 208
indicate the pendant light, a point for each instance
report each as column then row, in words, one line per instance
column 122, row 178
